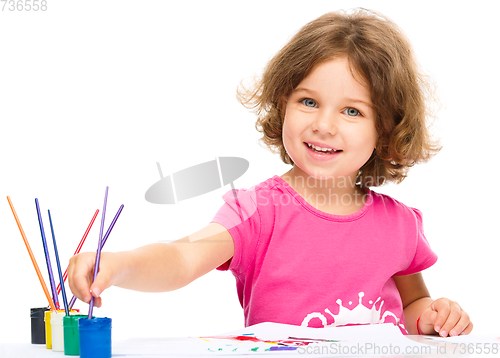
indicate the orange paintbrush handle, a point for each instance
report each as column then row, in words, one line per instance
column 37, row 269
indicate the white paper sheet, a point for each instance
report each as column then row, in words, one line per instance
column 380, row 339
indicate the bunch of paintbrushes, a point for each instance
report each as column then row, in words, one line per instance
column 53, row 294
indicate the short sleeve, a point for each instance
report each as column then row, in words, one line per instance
column 239, row 215
column 423, row 257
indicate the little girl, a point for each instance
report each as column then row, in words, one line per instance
column 344, row 104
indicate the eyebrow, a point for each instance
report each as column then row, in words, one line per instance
column 303, row 89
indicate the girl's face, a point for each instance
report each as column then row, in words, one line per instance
column 330, row 110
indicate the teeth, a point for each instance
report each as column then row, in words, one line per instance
column 320, row 149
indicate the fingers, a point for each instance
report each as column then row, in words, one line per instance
column 97, row 302
column 450, row 318
column 80, row 274
column 426, row 322
column 467, row 330
column 101, row 282
column 462, row 325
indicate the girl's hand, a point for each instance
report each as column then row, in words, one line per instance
column 445, row 317
column 81, row 275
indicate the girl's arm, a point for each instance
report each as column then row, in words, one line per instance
column 153, row 268
column 441, row 316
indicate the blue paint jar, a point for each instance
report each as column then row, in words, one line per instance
column 95, row 337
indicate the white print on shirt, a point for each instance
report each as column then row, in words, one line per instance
column 358, row 315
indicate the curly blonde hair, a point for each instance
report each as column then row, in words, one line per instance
column 379, row 52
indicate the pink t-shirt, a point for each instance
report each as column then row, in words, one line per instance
column 295, row 264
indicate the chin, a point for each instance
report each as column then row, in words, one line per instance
column 321, row 175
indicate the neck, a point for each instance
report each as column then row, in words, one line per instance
column 339, row 194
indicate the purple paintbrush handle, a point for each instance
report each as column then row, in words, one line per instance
column 72, row 302
column 47, row 257
column 111, row 226
column 98, row 255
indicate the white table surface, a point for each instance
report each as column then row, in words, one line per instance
column 385, row 336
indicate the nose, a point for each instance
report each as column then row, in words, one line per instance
column 325, row 122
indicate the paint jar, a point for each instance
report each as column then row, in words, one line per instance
column 48, row 330
column 56, row 322
column 95, row 337
column 71, row 336
column 48, row 326
column 38, row 325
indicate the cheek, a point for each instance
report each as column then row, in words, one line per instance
column 290, row 137
column 286, row 135
column 370, row 133
column 364, row 138
column 374, row 138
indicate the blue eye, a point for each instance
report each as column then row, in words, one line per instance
column 353, row 112
column 309, row 102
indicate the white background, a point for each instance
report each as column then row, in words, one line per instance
column 94, row 93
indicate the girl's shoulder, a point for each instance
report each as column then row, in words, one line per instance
column 251, row 195
column 392, row 206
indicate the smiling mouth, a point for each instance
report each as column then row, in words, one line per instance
column 320, row 150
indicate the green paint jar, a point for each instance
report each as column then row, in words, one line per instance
column 71, row 336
